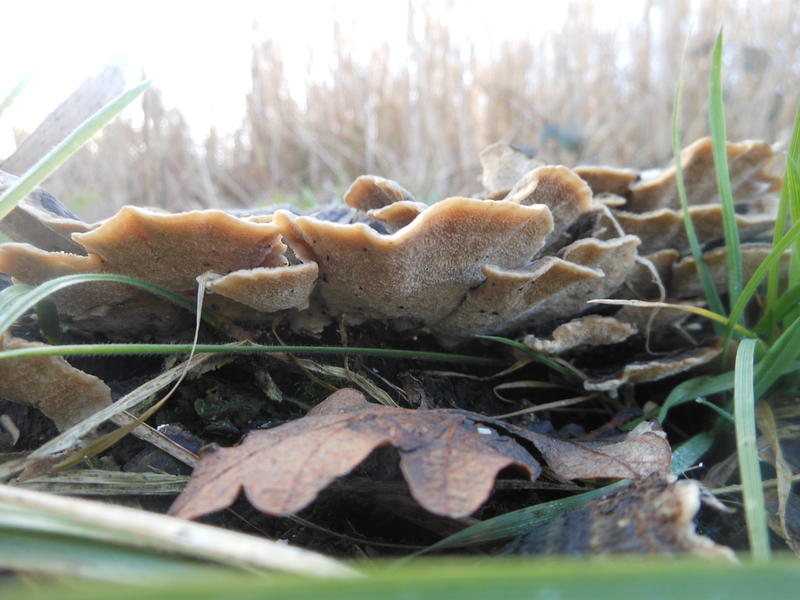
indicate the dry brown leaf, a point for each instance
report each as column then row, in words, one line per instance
column 449, row 461
column 449, row 458
column 643, row 452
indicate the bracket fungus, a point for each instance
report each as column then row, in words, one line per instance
column 523, row 259
column 63, row 393
column 171, row 250
column 748, row 162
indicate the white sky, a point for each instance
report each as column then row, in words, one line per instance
column 198, row 53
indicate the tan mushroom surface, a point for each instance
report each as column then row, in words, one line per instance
column 503, row 165
column 369, row 192
column 268, row 289
column 552, row 288
column 748, row 162
column 655, row 369
column 422, row 271
column 524, row 259
column 664, row 227
column 49, row 383
column 608, row 180
column 171, row 250
column 686, row 281
column 593, row 330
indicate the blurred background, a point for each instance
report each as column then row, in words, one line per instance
column 256, row 103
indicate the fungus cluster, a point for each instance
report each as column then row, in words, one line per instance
column 522, row 258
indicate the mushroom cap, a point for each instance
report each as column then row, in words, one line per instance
column 655, row 369
column 423, row 270
column 173, row 249
column 503, row 165
column 665, row 227
column 608, row 180
column 268, row 289
column 369, row 192
column 65, row 394
column 747, row 163
column 550, row 288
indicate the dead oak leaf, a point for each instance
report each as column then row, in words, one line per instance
column 642, row 452
column 448, row 460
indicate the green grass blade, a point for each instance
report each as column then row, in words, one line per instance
column 720, row 411
column 71, row 144
column 711, row 293
column 791, row 192
column 686, row 456
column 770, row 262
column 20, row 304
column 780, row 309
column 67, row 556
column 167, row 349
column 779, row 360
column 698, row 387
column 549, row 362
column 11, row 294
column 14, row 93
column 716, row 118
column 98, row 522
column 515, row 578
column 749, row 467
column 789, row 205
column 518, row 522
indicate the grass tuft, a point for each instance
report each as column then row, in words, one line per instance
column 749, row 468
column 716, row 118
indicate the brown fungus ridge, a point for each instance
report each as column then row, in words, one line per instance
column 33, row 266
column 396, row 216
column 268, row 289
column 747, row 163
column 654, row 370
column 592, row 330
column 685, row 281
column 650, row 277
column 173, row 249
column 503, row 165
column 424, row 270
column 49, row 383
column 95, row 306
column 664, row 227
column 370, row 192
column 607, row 180
column 549, row 288
column 559, row 189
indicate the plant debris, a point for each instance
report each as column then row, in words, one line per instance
column 651, row 516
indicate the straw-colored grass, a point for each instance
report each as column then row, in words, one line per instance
column 580, row 95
